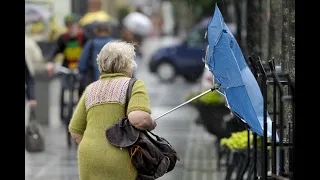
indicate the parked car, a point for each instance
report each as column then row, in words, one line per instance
column 184, row 59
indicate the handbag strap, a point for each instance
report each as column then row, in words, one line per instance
column 153, row 134
column 159, row 138
column 128, row 94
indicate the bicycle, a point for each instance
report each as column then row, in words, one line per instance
column 72, row 76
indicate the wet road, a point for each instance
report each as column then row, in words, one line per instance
column 193, row 144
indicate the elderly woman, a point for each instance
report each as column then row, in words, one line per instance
column 100, row 106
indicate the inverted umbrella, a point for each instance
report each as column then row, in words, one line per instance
column 226, row 61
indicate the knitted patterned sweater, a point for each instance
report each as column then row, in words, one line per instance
column 100, row 106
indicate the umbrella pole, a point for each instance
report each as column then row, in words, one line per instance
column 202, row 94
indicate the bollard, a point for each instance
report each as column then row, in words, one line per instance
column 42, row 89
column 42, row 86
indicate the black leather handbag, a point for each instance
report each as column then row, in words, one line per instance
column 151, row 155
column 34, row 137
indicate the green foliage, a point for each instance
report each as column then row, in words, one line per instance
column 123, row 11
column 209, row 98
column 239, row 140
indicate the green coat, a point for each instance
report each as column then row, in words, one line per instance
column 100, row 106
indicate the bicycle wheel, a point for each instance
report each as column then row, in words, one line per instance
column 70, row 112
column 63, row 106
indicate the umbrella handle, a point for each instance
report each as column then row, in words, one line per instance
column 202, row 94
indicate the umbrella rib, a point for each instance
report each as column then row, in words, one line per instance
column 202, row 94
column 244, row 84
column 229, row 107
column 236, row 62
column 249, row 108
column 246, row 92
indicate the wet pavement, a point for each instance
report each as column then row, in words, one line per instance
column 193, row 144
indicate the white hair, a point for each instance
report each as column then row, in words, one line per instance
column 117, row 57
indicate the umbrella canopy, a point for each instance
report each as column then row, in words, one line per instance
column 226, row 61
column 35, row 12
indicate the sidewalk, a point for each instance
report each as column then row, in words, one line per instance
column 194, row 146
column 192, row 143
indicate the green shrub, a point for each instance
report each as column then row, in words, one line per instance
column 209, row 98
column 239, row 140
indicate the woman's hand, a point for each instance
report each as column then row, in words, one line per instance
column 76, row 137
column 78, row 140
column 50, row 67
column 153, row 126
column 32, row 103
column 141, row 120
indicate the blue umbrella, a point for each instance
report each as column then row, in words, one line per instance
column 226, row 61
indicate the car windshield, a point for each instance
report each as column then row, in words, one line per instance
column 196, row 38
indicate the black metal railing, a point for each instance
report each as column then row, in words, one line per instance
column 255, row 161
column 278, row 81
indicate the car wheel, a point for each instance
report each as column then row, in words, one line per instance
column 166, row 72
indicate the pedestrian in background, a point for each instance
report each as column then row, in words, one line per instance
column 30, row 83
column 88, row 67
column 33, row 54
column 70, row 44
column 135, row 28
column 33, row 58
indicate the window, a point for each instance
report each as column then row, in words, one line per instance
column 196, row 37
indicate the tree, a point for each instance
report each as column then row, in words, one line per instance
column 239, row 21
column 253, row 28
column 193, row 11
column 288, row 58
column 292, row 50
column 285, row 35
column 264, row 6
column 223, row 6
column 275, row 30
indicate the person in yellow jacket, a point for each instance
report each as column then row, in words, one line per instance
column 70, row 44
column 93, row 16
